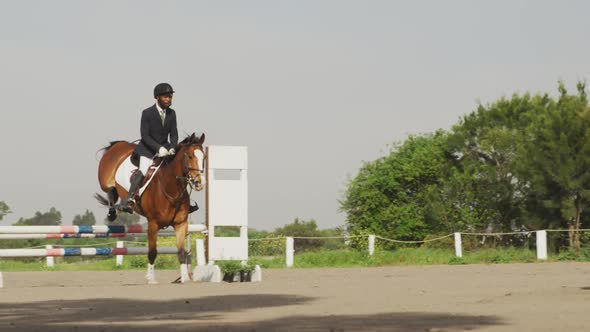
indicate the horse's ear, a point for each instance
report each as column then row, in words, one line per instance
column 201, row 139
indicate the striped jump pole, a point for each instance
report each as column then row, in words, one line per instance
column 95, row 229
column 72, row 236
column 84, row 231
column 77, row 235
column 57, row 252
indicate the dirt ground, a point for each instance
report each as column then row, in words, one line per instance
column 516, row 297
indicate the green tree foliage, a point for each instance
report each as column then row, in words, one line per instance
column 519, row 163
column 4, row 209
column 302, row 228
column 124, row 219
column 275, row 247
column 486, row 145
column 299, row 228
column 86, row 219
column 52, row 217
column 391, row 195
column 556, row 161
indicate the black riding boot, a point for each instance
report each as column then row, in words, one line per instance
column 127, row 204
column 193, row 208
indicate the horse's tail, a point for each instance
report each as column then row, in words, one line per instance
column 106, row 148
column 111, row 143
column 102, row 200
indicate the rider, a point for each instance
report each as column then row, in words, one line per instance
column 157, row 123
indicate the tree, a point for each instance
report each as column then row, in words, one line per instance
column 52, row 217
column 124, row 219
column 4, row 209
column 86, row 219
column 390, row 195
column 556, row 159
column 309, row 228
column 486, row 145
column 302, row 228
column 520, row 163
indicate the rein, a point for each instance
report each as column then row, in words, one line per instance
column 181, row 182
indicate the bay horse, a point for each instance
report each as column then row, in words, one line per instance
column 165, row 202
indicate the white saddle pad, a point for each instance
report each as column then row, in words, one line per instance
column 123, row 175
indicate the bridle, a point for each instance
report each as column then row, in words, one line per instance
column 193, row 181
column 182, row 181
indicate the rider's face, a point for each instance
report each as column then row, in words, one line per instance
column 165, row 100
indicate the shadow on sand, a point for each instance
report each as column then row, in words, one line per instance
column 208, row 313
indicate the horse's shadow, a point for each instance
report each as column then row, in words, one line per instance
column 209, row 314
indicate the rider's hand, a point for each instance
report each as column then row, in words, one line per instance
column 163, row 152
column 171, row 152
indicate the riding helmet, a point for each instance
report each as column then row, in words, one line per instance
column 162, row 89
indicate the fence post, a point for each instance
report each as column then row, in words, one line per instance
column 50, row 259
column 289, row 251
column 371, row 244
column 458, row 246
column 542, row 245
column 200, row 247
column 119, row 258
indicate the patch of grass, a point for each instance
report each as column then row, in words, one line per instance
column 163, row 262
column 403, row 256
column 580, row 256
column 315, row 259
column 499, row 256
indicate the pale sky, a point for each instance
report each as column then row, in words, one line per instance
column 313, row 88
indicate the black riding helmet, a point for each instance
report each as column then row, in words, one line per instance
column 162, row 89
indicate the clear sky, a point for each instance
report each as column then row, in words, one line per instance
column 313, row 88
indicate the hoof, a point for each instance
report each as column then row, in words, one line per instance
column 112, row 215
column 178, row 281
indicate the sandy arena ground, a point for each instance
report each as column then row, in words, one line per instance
column 517, row 297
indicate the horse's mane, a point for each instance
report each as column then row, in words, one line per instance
column 190, row 139
column 187, row 141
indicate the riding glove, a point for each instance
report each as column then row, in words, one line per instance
column 163, row 152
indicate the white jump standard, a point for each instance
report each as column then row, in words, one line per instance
column 226, row 205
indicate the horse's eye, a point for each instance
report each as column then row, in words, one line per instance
column 190, row 157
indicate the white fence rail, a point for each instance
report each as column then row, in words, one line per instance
column 541, row 242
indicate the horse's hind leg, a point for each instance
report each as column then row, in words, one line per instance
column 113, row 197
column 152, row 251
column 181, row 231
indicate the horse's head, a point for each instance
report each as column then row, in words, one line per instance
column 193, row 160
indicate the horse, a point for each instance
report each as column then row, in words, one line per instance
column 165, row 201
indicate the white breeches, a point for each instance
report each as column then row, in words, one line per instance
column 144, row 164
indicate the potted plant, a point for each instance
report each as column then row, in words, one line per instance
column 235, row 271
column 246, row 273
column 231, row 270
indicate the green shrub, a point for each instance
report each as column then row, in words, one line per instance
column 229, row 267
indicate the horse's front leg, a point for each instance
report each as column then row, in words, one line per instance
column 152, row 251
column 181, row 230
